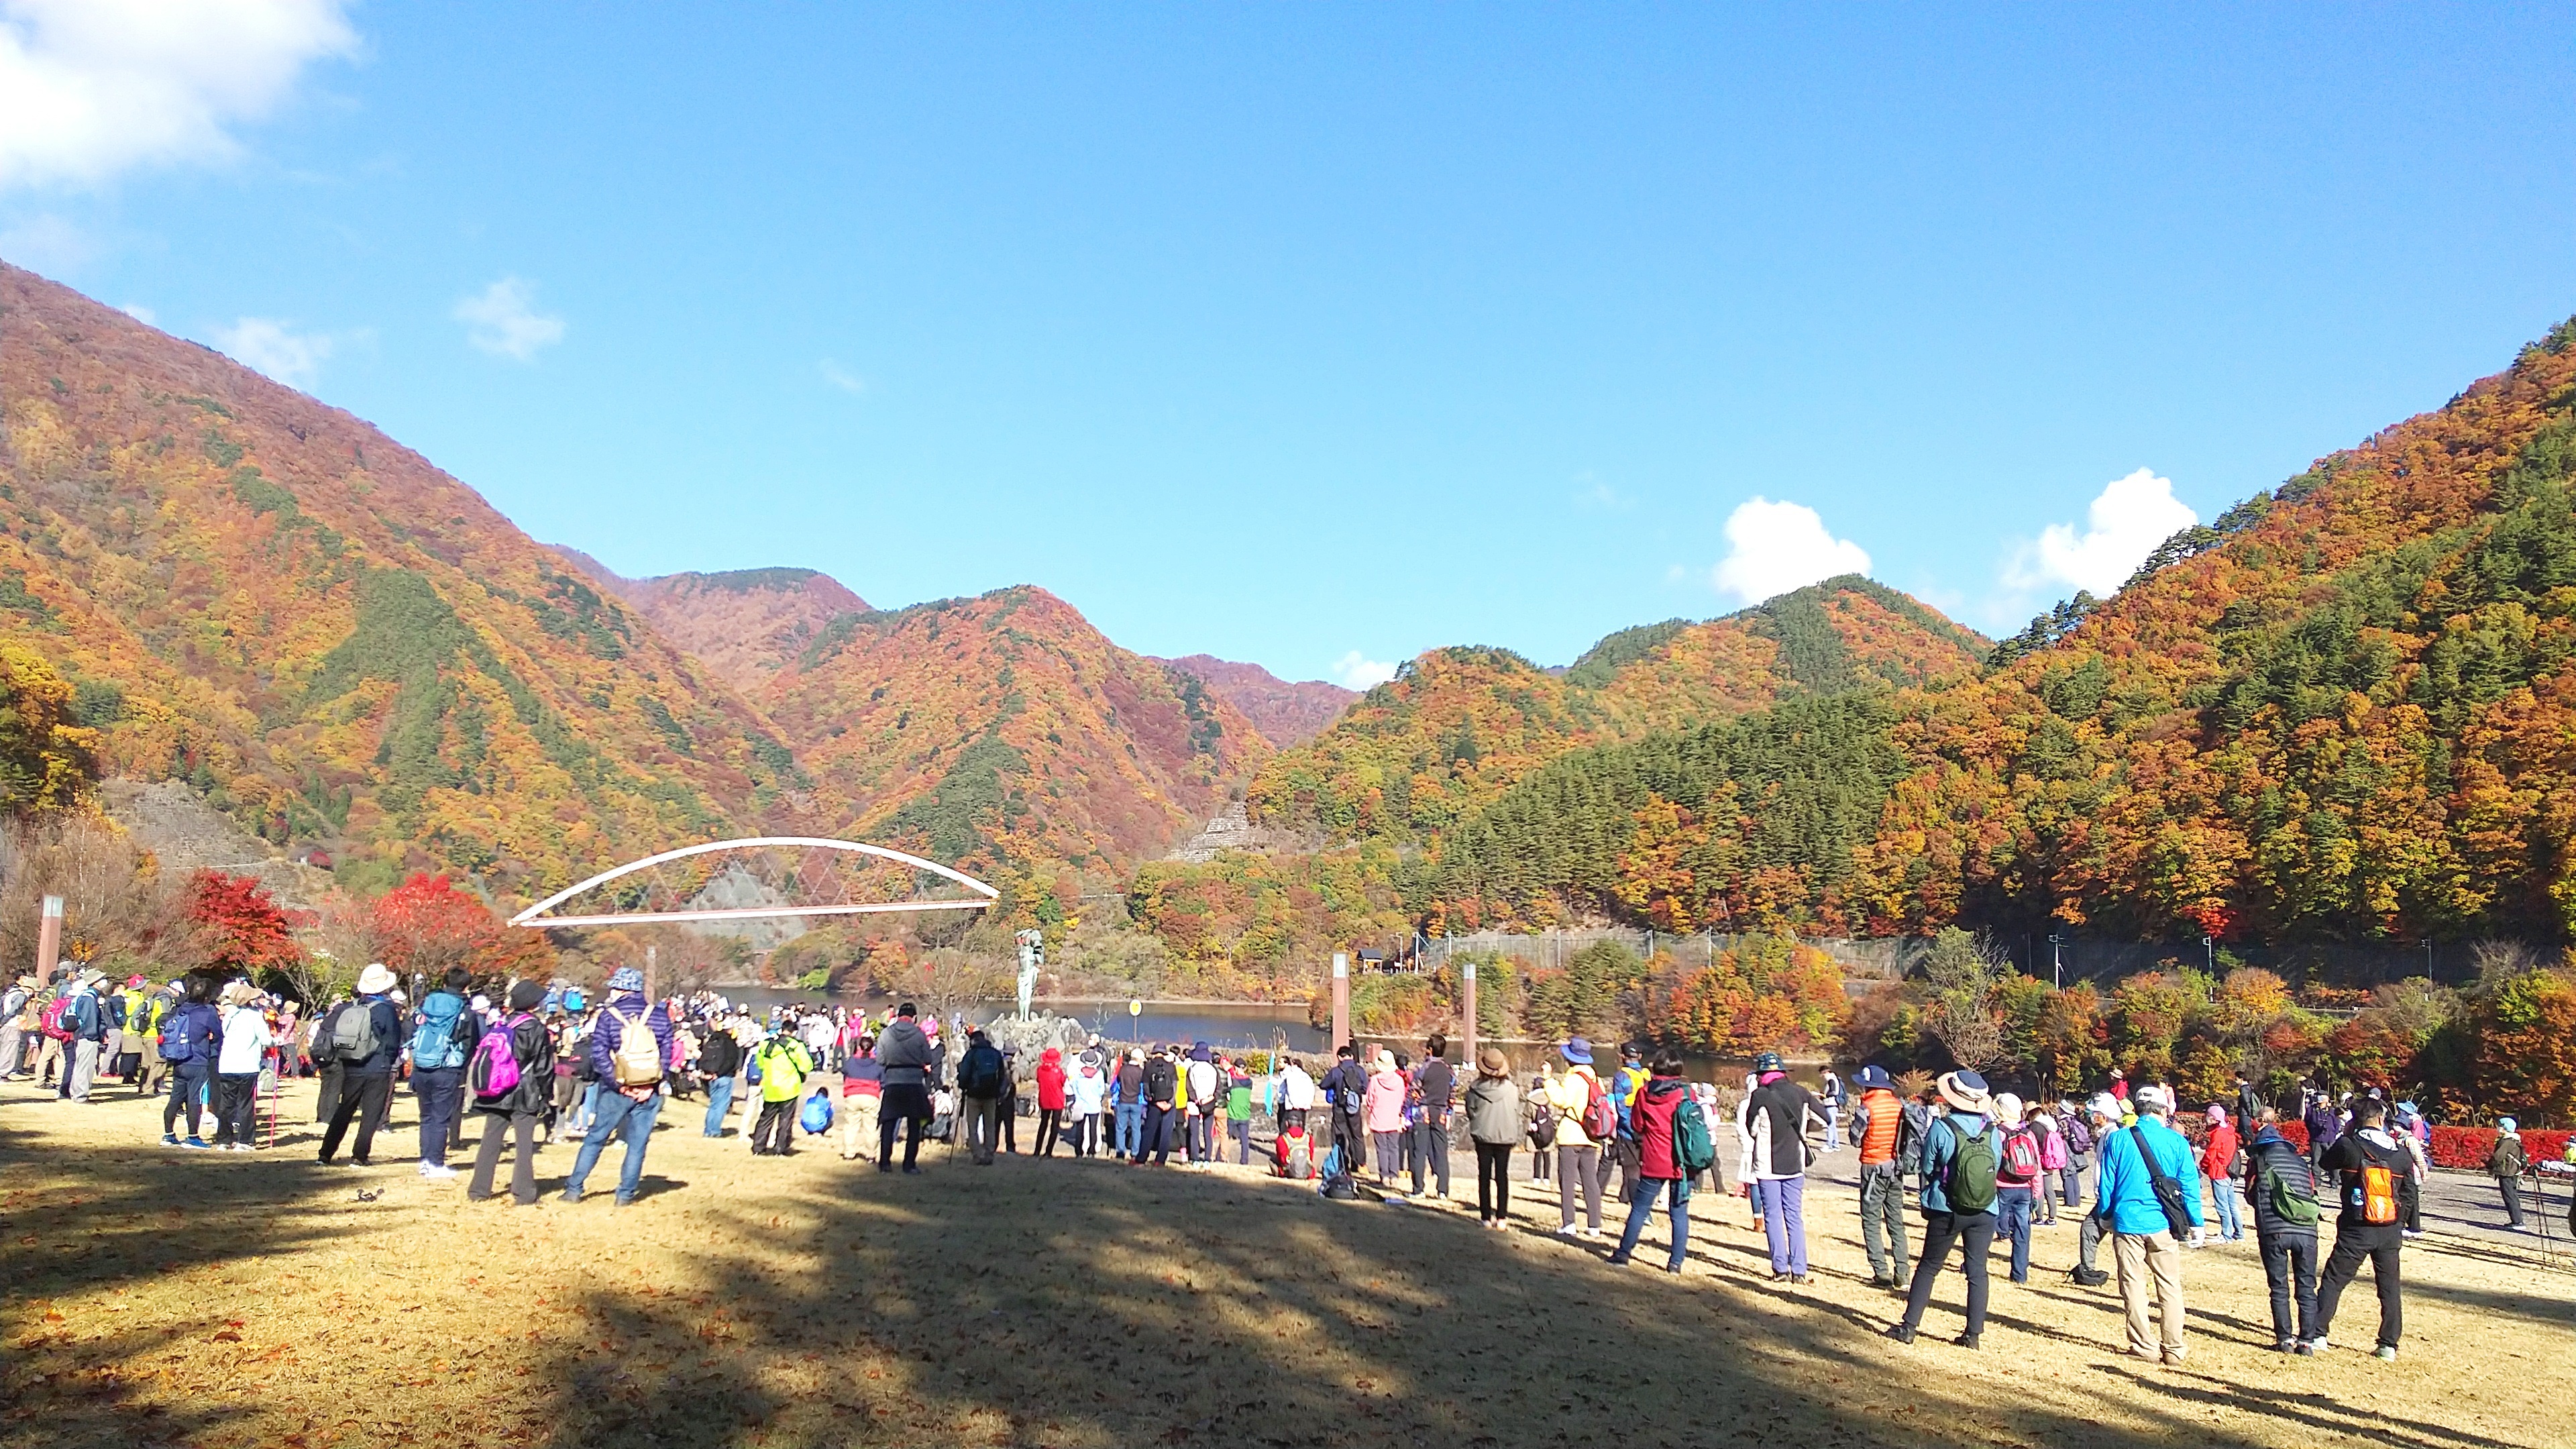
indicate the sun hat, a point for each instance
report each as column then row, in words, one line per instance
column 1493, row 1063
column 1872, row 1076
column 2008, row 1108
column 1385, row 1060
column 625, row 978
column 376, row 980
column 2104, row 1106
column 2217, row 1113
column 135, row 980
column 2153, row 1098
column 1965, row 1091
column 1767, row 1062
column 1577, row 1051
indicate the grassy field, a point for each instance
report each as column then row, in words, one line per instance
column 156, row 1298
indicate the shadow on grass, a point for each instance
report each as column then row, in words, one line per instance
column 1032, row 1304
column 123, row 1217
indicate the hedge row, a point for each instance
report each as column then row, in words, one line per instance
column 2469, row 1147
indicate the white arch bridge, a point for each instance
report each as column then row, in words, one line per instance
column 768, row 877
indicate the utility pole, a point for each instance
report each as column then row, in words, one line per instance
column 49, row 943
column 2056, row 961
column 1467, row 979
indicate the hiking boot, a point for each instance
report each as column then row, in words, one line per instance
column 1617, row 1260
column 1902, row 1333
column 2302, row 1347
column 1966, row 1340
column 572, row 1194
column 2287, row 1345
column 1799, row 1280
column 2387, row 1353
column 1881, row 1280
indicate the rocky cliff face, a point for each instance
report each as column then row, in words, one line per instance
column 1287, row 714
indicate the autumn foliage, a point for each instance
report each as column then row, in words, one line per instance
column 238, row 929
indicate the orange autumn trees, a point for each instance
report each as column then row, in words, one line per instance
column 1765, row 993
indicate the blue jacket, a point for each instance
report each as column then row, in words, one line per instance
column 605, row 1035
column 2128, row 1191
column 1940, row 1144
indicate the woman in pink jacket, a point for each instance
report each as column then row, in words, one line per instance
column 1384, row 1106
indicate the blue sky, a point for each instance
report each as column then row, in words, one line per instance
column 1319, row 336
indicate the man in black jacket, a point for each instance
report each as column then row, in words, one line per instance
column 2277, row 1171
column 2374, row 1172
column 1162, row 1107
column 366, row 1076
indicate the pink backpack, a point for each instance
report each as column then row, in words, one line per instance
column 494, row 1071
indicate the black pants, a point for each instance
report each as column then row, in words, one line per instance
column 187, row 1089
column 2290, row 1266
column 774, row 1133
column 2380, row 1245
column 1086, row 1136
column 1493, row 1180
column 521, row 1126
column 236, row 1107
column 1050, row 1127
column 903, row 1106
column 362, row 1098
column 1431, row 1150
column 1975, row 1235
column 2511, row 1187
column 1347, row 1137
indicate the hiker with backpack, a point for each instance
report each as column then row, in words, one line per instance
column 443, row 1035
column 189, row 1038
column 1387, row 1090
column 1494, row 1126
column 2371, row 1169
column 1778, row 1121
column 1673, row 1146
column 2052, row 1159
column 2221, row 1163
column 1542, row 1127
column 1087, row 1089
column 2016, row 1182
column 2080, row 1133
column 1127, row 1104
column 985, row 1083
column 78, row 1020
column 906, row 1055
column 1584, row 1120
column 2150, row 1213
column 364, row 1039
column 510, row 1078
column 628, row 1045
column 2282, row 1190
column 1960, row 1160
column 1345, row 1090
column 782, row 1061
column 2506, row 1165
column 1875, row 1127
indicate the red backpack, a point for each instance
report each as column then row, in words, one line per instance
column 2021, row 1154
column 56, row 1019
column 1600, row 1115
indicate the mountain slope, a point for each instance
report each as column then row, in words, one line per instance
column 1458, row 727
column 2344, row 712
column 1285, row 713
column 745, row 625
column 1005, row 733
column 342, row 644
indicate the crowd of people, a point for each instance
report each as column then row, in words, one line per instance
column 1958, row 1163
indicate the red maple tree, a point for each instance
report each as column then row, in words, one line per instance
column 243, row 931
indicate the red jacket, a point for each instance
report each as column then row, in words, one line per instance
column 2220, row 1154
column 1051, row 1080
column 1651, row 1121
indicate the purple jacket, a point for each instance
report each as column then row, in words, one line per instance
column 609, row 1030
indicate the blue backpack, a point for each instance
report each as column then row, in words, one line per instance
column 181, row 1038
column 434, row 1043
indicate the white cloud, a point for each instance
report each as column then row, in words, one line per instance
column 842, row 378
column 1357, row 671
column 2126, row 521
column 275, row 348
column 90, row 88
column 1772, row 548
column 141, row 313
column 503, row 320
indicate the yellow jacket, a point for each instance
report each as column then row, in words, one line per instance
column 1569, row 1095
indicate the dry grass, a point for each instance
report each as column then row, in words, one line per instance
column 210, row 1300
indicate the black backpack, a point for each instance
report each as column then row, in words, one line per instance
column 979, row 1073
